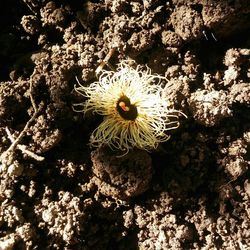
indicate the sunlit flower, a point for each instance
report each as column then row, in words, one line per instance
column 135, row 111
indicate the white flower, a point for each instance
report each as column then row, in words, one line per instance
column 135, row 112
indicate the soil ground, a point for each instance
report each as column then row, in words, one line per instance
column 57, row 192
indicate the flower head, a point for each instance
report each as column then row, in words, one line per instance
column 136, row 113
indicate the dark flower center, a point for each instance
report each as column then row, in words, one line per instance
column 126, row 110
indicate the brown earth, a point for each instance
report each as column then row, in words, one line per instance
column 56, row 192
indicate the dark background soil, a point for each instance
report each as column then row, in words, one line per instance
column 191, row 193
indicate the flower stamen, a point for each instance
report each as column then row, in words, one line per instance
column 126, row 110
column 123, row 106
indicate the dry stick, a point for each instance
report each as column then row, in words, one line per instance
column 32, row 99
column 105, row 61
column 20, row 136
column 23, row 147
column 29, row 6
column 22, row 133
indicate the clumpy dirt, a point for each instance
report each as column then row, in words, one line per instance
column 56, row 192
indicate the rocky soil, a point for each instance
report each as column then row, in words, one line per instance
column 57, row 192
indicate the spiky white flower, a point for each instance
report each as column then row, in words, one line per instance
column 135, row 112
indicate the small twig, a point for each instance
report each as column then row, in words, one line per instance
column 29, row 6
column 22, row 133
column 23, row 147
column 15, row 142
column 226, row 184
column 105, row 61
column 214, row 37
column 205, row 34
column 32, row 99
column 20, row 136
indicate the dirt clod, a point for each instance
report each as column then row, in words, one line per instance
column 120, row 177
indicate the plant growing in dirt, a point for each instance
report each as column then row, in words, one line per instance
column 136, row 112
